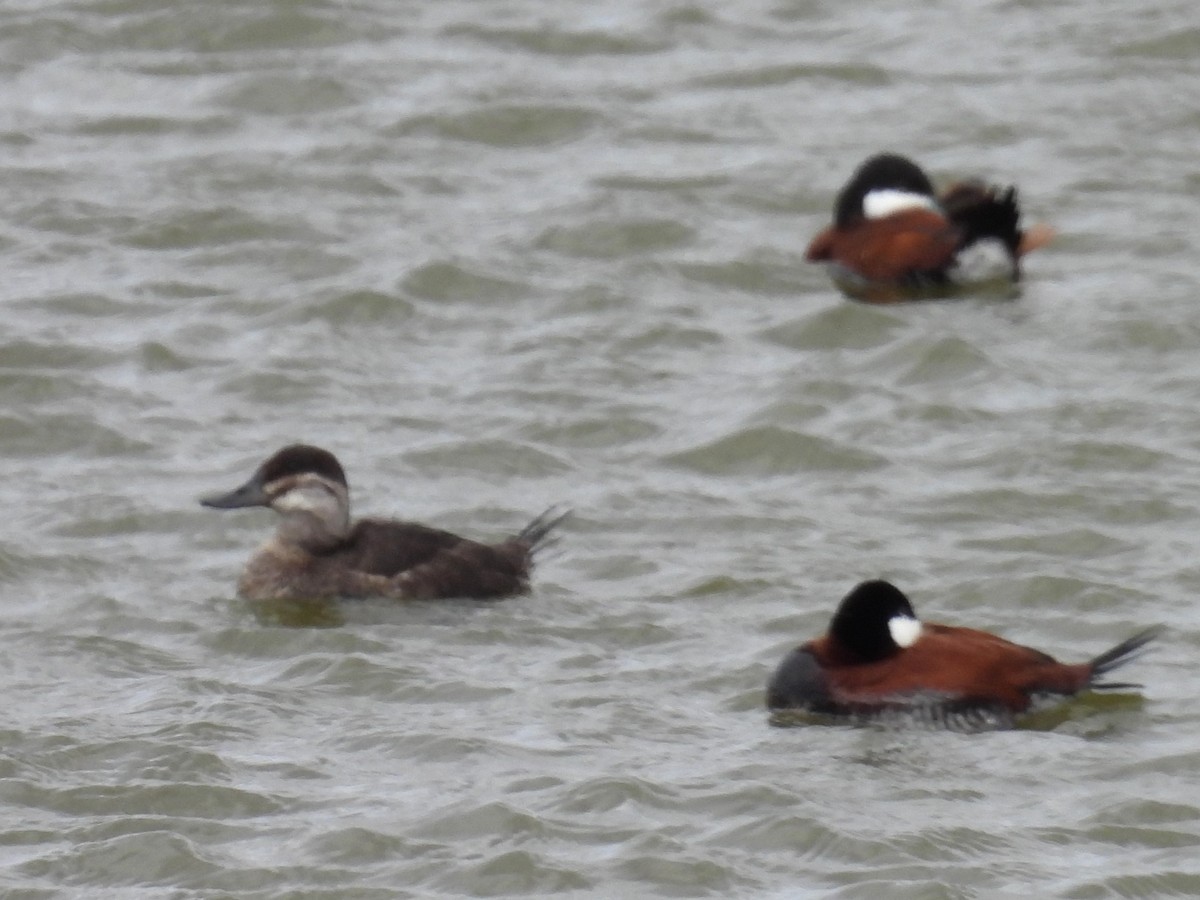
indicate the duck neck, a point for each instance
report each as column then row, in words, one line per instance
column 317, row 521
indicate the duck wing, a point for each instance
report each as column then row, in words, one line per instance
column 388, row 547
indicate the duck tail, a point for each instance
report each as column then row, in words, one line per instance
column 536, row 535
column 982, row 212
column 1126, row 651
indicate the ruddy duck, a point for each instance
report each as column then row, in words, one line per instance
column 893, row 239
column 877, row 657
column 318, row 552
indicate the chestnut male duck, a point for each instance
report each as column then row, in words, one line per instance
column 893, row 239
column 877, row 657
column 318, row 552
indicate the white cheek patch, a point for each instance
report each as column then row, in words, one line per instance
column 904, row 630
column 886, row 201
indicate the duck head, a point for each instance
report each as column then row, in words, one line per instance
column 874, row 621
column 884, row 184
column 306, row 486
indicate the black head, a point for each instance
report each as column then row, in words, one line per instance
column 885, row 171
column 291, row 461
column 865, row 621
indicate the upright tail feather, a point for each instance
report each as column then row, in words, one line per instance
column 983, row 212
column 537, row 533
column 1126, row 651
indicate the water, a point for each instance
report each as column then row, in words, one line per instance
column 504, row 255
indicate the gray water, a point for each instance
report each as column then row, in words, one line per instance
column 503, row 255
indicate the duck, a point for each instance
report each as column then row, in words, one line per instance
column 318, row 552
column 877, row 657
column 894, row 238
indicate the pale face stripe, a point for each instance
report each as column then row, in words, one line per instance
column 307, row 494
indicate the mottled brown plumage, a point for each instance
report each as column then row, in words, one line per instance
column 318, row 552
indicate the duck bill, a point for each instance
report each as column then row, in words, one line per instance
column 249, row 494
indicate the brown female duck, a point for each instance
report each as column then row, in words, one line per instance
column 317, row 551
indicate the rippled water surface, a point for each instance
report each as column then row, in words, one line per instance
column 500, row 255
